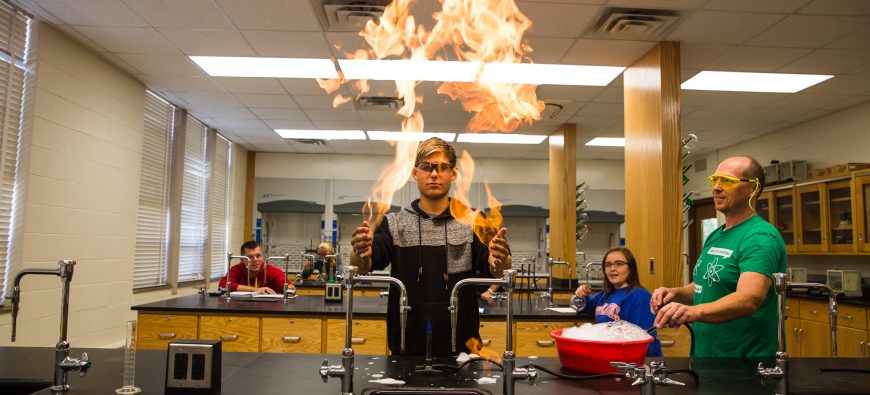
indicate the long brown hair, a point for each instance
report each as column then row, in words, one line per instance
column 633, row 278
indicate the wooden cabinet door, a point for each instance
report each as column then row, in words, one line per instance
column 841, row 234
column 811, row 234
column 155, row 331
column 493, row 336
column 676, row 342
column 764, row 207
column 815, row 339
column 235, row 333
column 793, row 336
column 861, row 216
column 369, row 336
column 293, row 335
column 784, row 217
column 851, row 343
column 533, row 338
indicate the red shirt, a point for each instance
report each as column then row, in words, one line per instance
column 239, row 276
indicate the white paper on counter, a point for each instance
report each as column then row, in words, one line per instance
column 562, row 309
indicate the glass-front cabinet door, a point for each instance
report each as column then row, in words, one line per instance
column 762, row 206
column 782, row 216
column 862, row 208
column 810, row 235
column 840, row 230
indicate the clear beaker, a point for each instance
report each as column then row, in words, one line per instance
column 578, row 303
column 129, row 361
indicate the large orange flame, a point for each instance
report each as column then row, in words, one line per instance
column 484, row 226
column 476, row 347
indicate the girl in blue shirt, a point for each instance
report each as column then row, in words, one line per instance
column 623, row 297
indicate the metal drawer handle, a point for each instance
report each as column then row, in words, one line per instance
column 667, row 343
column 358, row 340
column 486, row 342
column 861, row 346
column 814, row 312
column 229, row 337
column 166, row 336
column 292, row 339
column 546, row 343
column 848, row 317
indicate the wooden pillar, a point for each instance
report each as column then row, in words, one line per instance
column 248, row 230
column 653, row 185
column 563, row 214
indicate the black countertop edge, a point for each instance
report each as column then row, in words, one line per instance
column 277, row 373
column 846, row 300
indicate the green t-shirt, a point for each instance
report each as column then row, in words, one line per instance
column 752, row 246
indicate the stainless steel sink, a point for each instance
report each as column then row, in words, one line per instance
column 425, row 391
column 22, row 386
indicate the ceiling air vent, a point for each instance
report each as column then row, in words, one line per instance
column 310, row 141
column 634, row 23
column 352, row 14
column 379, row 103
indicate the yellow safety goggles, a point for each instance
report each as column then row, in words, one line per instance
column 728, row 182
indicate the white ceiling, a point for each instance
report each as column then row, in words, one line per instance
column 151, row 39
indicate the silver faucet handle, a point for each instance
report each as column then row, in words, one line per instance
column 623, row 367
column 85, row 364
column 384, row 293
column 324, row 370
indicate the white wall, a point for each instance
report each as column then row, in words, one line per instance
column 81, row 196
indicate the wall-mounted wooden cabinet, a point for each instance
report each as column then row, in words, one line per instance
column 821, row 216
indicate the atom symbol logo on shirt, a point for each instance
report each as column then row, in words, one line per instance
column 712, row 273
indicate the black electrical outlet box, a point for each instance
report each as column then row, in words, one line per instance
column 193, row 367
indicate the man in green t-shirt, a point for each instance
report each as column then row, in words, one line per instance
column 731, row 304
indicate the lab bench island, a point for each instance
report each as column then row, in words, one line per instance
column 268, row 373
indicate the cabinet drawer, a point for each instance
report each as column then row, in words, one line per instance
column 792, row 308
column 155, row 331
column 533, row 338
column 814, row 311
column 369, row 336
column 293, row 335
column 236, row 333
column 309, row 291
column 852, row 317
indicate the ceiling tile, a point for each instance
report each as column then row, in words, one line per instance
column 594, row 121
column 843, row 85
column 267, row 101
column 562, row 20
column 295, row 15
column 187, row 14
column 565, row 92
column 757, row 59
column 699, row 56
column 780, row 6
column 209, row 42
column 719, row 27
column 805, row 31
column 661, row 4
column 602, row 109
column 850, row 102
column 754, row 99
column 93, row 13
column 335, row 124
column 261, row 86
column 218, row 112
column 280, row 113
column 285, row 124
column 719, row 112
column 837, row 7
column 326, row 115
column 140, row 40
column 806, row 101
column 232, row 123
column 319, row 102
column 209, row 99
column 606, row 52
column 288, row 44
column 548, row 49
column 829, row 61
column 855, row 40
column 301, row 86
column 175, row 65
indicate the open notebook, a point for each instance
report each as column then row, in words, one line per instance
column 253, row 295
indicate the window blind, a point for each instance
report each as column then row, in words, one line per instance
column 14, row 27
column 219, row 198
column 152, row 219
column 191, row 254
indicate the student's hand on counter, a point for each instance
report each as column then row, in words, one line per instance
column 265, row 290
column 583, row 291
column 361, row 240
column 486, row 295
column 499, row 252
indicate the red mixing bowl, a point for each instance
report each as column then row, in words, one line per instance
column 595, row 356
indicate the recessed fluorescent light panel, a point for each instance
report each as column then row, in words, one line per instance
column 408, row 136
column 607, row 142
column 227, row 66
column 752, row 82
column 549, row 74
column 321, row 134
column 408, row 70
column 500, row 138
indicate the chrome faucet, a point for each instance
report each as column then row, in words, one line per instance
column 549, row 294
column 310, row 257
column 508, row 360
column 780, row 286
column 230, row 258
column 62, row 362
column 646, row 376
column 287, row 293
column 588, row 266
column 345, row 370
